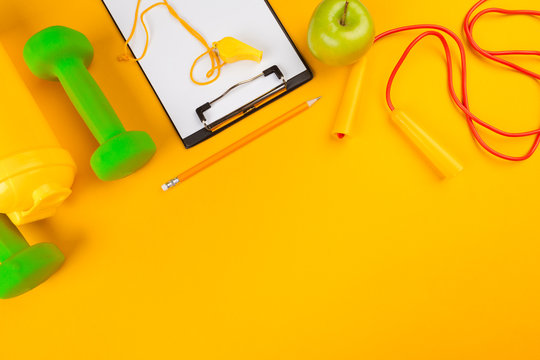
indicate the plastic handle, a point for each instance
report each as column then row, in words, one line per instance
column 11, row 240
column 88, row 99
column 349, row 103
column 442, row 160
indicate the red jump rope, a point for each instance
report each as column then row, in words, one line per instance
column 463, row 103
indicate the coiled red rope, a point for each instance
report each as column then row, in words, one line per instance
column 463, row 103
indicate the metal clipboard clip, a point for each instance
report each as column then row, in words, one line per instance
column 252, row 105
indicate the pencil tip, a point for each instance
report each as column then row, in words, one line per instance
column 313, row 101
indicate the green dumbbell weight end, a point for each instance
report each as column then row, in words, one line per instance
column 23, row 267
column 62, row 54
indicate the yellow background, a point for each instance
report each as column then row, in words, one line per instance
column 298, row 246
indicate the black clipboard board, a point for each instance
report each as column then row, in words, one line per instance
column 203, row 134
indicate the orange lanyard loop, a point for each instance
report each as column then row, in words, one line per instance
column 210, row 51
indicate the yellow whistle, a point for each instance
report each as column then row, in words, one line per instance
column 231, row 50
column 36, row 174
column 441, row 160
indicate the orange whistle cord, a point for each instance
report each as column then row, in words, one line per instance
column 463, row 103
column 216, row 62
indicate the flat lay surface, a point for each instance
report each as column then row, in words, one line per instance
column 299, row 245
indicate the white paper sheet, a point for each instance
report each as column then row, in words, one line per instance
column 172, row 51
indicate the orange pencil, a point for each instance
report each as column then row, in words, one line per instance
column 239, row 144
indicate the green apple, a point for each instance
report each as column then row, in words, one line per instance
column 340, row 32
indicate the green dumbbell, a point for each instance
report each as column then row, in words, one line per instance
column 23, row 267
column 62, row 54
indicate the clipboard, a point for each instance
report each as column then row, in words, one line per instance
column 200, row 112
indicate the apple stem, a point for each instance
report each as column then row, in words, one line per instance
column 343, row 21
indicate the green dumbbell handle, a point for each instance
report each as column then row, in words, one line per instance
column 11, row 240
column 88, row 99
column 23, row 267
column 63, row 54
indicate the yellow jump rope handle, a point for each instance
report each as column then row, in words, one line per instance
column 441, row 160
column 349, row 103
